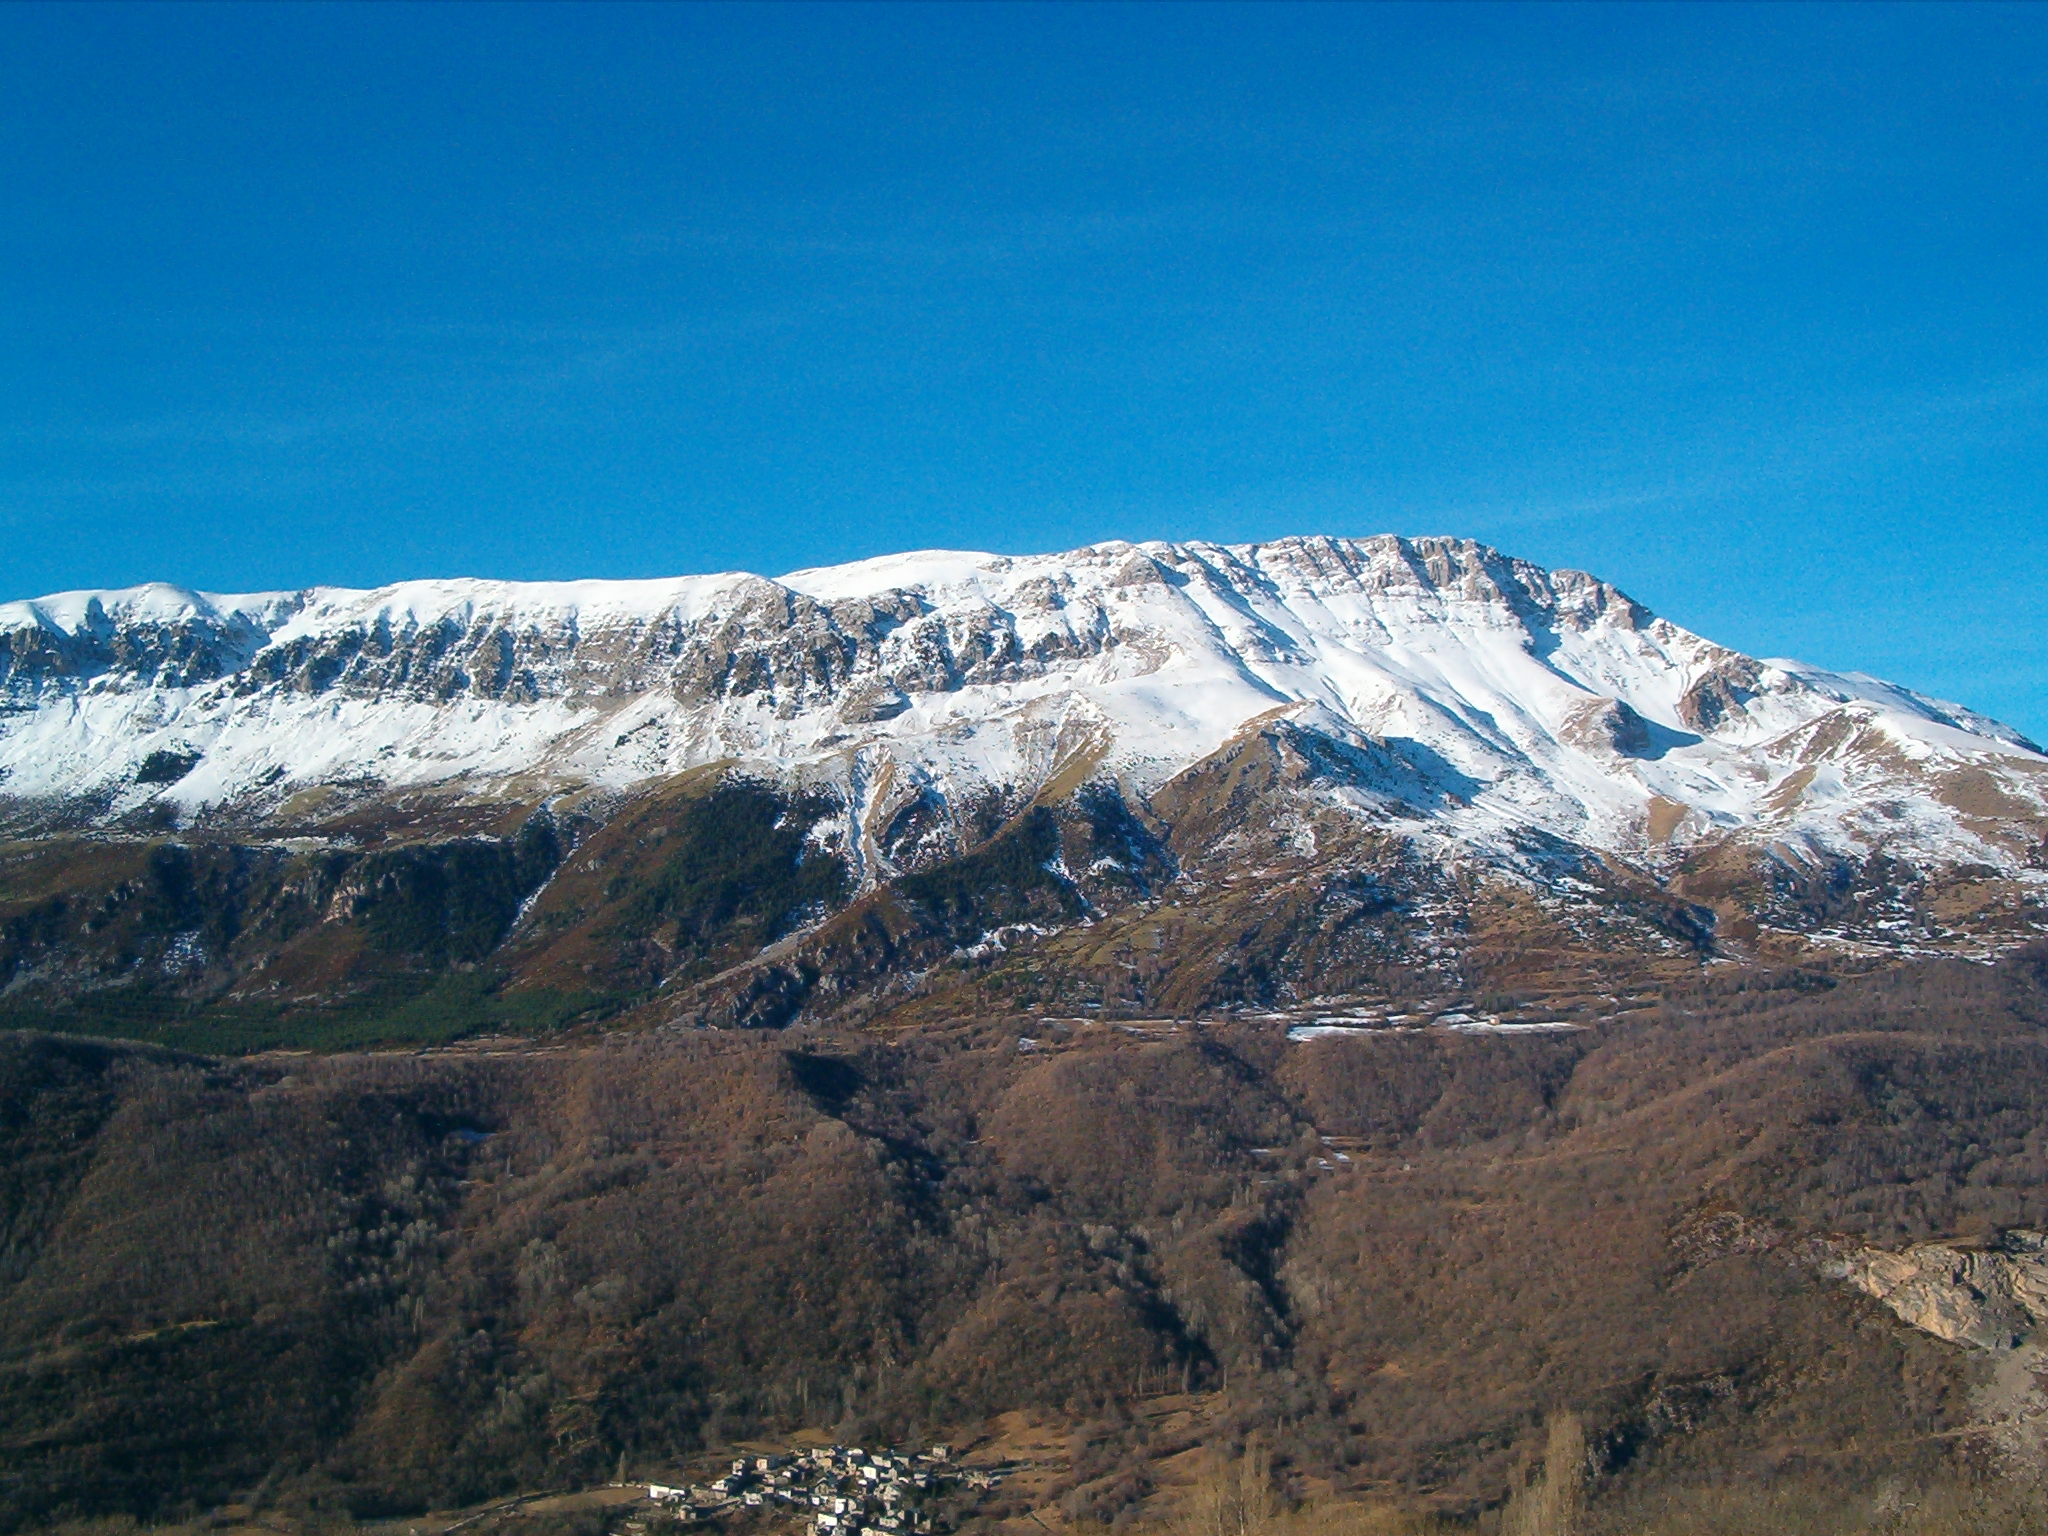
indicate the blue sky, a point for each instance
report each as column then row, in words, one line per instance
column 1741, row 308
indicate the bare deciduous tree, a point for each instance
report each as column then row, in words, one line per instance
column 1552, row 1502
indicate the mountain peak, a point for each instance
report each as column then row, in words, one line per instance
column 1566, row 708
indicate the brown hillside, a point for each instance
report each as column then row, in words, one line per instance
column 389, row 1282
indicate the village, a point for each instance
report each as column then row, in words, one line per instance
column 844, row 1490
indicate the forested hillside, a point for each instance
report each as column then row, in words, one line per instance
column 378, row 1283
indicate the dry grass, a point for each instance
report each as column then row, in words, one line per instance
column 1793, row 1508
column 1237, row 1498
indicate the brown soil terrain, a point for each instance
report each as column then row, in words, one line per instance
column 370, row 1286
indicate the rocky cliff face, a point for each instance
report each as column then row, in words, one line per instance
column 1990, row 1298
column 1315, row 707
column 1528, row 697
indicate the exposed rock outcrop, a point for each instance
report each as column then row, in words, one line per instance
column 1988, row 1298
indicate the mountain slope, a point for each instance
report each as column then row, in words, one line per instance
column 1537, row 698
column 388, row 1283
column 1287, row 714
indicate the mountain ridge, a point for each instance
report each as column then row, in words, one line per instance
column 1386, row 989
column 1241, row 592
column 1383, row 763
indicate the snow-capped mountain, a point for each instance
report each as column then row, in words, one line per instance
column 1502, row 696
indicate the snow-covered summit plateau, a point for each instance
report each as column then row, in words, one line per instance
column 1496, row 698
